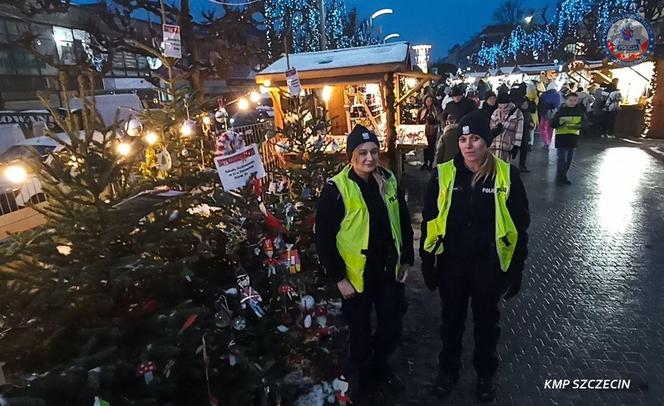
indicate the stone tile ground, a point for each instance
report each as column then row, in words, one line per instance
column 592, row 302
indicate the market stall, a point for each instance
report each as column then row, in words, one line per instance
column 364, row 85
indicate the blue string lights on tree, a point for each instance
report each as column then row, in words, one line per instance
column 571, row 13
column 303, row 17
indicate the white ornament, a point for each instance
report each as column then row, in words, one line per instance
column 133, row 127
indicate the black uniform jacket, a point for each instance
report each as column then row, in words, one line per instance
column 471, row 225
column 331, row 212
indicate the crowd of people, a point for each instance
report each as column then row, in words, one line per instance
column 518, row 113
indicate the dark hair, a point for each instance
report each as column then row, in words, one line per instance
column 579, row 89
column 489, row 94
column 570, row 94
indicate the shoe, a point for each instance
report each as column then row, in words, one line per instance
column 566, row 181
column 423, row 167
column 486, row 390
column 445, row 384
column 546, row 146
column 523, row 169
column 559, row 182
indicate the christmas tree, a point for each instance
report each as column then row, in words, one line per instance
column 150, row 284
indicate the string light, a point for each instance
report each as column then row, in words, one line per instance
column 16, row 173
column 243, row 104
column 151, row 138
column 254, row 96
column 123, row 148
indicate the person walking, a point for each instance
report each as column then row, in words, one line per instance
column 365, row 242
column 611, row 106
column 459, row 106
column 567, row 121
column 548, row 105
column 490, row 103
column 507, row 124
column 447, row 146
column 527, row 107
column 428, row 116
column 473, row 246
column 598, row 114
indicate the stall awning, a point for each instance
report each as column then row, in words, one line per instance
column 338, row 63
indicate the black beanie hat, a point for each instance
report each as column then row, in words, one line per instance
column 476, row 122
column 358, row 136
column 503, row 97
column 489, row 94
column 457, row 91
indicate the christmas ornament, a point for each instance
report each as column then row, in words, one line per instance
column 184, row 153
column 228, row 143
column 287, row 290
column 221, row 115
column 98, row 402
column 307, row 307
column 341, row 386
column 321, row 315
column 188, row 323
column 270, row 262
column 146, row 370
column 239, row 323
column 164, row 160
column 224, row 317
column 289, row 213
column 133, row 127
column 168, row 368
column 249, row 296
column 334, row 146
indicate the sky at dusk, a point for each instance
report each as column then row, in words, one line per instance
column 441, row 23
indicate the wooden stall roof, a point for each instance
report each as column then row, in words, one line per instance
column 339, row 66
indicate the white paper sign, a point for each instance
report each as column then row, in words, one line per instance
column 235, row 170
column 172, row 43
column 293, row 82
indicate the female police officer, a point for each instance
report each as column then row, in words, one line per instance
column 473, row 245
column 365, row 242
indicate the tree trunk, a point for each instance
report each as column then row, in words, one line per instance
column 189, row 38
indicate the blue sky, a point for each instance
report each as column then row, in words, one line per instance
column 441, row 23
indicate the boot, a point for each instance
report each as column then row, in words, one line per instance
column 445, row 383
column 486, row 390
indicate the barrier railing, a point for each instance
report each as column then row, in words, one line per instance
column 14, row 198
column 261, row 134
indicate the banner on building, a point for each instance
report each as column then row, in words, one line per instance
column 237, row 169
column 293, row 82
column 172, row 41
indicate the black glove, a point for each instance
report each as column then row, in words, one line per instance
column 497, row 130
column 512, row 283
column 515, row 151
column 429, row 271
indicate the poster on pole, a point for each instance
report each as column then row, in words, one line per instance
column 236, row 169
column 293, row 82
column 172, row 42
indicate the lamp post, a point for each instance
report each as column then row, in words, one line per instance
column 390, row 36
column 378, row 13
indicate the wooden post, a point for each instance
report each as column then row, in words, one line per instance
column 390, row 128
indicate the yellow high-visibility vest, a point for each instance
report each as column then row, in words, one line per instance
column 353, row 235
column 506, row 234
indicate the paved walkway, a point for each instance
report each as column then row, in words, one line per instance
column 592, row 302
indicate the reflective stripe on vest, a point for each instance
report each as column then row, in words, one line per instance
column 353, row 235
column 506, row 234
column 569, row 125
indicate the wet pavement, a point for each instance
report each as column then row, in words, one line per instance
column 592, row 301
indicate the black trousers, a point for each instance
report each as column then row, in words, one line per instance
column 523, row 150
column 480, row 280
column 430, row 150
column 370, row 350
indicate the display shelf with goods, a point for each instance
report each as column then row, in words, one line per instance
column 364, row 105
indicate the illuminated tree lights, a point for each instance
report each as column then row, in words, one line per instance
column 567, row 25
column 300, row 19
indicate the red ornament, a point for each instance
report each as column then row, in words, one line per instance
column 190, row 320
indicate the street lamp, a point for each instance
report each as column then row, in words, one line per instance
column 390, row 36
column 528, row 19
column 381, row 12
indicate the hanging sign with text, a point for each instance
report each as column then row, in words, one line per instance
column 237, row 169
column 172, row 42
column 293, row 82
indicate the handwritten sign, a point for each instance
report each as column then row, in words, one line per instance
column 172, row 42
column 293, row 82
column 235, row 170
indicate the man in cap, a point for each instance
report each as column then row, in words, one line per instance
column 459, row 106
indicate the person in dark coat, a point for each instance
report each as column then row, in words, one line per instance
column 490, row 103
column 428, row 116
column 364, row 241
column 459, row 106
column 568, row 122
column 463, row 256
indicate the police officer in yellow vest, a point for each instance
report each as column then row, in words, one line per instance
column 568, row 122
column 473, row 246
column 364, row 240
